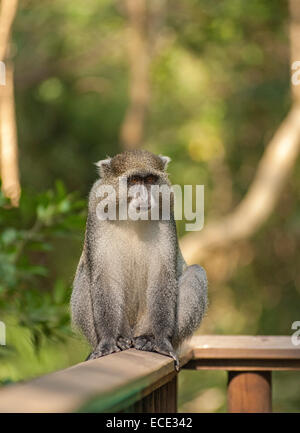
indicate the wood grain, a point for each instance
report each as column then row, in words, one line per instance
column 249, row 392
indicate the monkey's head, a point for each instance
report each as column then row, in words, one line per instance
column 142, row 173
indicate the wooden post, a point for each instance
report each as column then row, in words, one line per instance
column 249, row 391
column 171, row 396
column 161, row 400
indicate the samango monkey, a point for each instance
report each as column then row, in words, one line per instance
column 132, row 287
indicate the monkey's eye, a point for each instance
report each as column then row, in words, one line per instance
column 151, row 179
column 134, row 180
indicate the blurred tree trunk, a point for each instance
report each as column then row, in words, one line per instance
column 273, row 169
column 9, row 169
column 132, row 130
column 295, row 41
column 9, row 142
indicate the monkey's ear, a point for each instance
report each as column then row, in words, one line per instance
column 103, row 166
column 165, row 160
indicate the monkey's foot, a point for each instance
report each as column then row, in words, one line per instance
column 150, row 344
column 144, row 342
column 124, row 343
column 104, row 348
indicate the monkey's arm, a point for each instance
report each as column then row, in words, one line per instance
column 96, row 299
column 81, row 302
column 96, row 311
column 106, row 290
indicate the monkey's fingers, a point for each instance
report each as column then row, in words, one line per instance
column 124, row 343
column 176, row 360
column 143, row 342
column 148, row 347
column 103, row 350
column 171, row 353
column 176, row 363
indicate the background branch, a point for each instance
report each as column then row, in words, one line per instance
column 273, row 169
column 132, row 129
column 7, row 15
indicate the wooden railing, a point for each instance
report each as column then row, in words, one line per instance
column 249, row 361
column 136, row 381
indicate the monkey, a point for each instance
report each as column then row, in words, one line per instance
column 132, row 287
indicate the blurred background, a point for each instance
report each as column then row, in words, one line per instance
column 206, row 83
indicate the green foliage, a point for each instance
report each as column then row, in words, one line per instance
column 27, row 238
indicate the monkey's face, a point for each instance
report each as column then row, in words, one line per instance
column 141, row 193
column 140, row 181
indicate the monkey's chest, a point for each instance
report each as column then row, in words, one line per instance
column 136, row 251
column 136, row 271
column 134, row 257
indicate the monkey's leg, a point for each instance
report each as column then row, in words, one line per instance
column 97, row 311
column 81, row 305
column 161, row 305
column 192, row 302
column 110, row 320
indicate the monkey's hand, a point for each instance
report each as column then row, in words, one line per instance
column 162, row 346
column 105, row 347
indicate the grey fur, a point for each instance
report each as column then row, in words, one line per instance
column 132, row 287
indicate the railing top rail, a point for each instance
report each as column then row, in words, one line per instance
column 115, row 382
column 244, row 353
column 244, row 346
column 106, row 384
